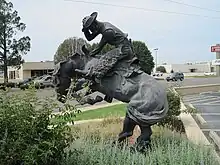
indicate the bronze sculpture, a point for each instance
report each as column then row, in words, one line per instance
column 117, row 75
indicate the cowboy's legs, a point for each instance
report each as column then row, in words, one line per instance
column 144, row 140
column 128, row 128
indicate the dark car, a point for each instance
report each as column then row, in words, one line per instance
column 25, row 83
column 175, row 76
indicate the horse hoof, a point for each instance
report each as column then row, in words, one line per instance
column 98, row 99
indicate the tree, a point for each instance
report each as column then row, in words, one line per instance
column 68, row 47
column 11, row 48
column 105, row 49
column 161, row 69
column 144, row 56
column 140, row 50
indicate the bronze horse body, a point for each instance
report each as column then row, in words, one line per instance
column 145, row 97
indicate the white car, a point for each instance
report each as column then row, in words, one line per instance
column 44, row 81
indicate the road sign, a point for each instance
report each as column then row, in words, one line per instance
column 215, row 48
column 216, row 62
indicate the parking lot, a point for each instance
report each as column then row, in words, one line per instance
column 208, row 114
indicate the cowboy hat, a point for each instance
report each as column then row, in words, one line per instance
column 88, row 20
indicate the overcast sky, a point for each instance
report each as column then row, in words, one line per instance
column 180, row 38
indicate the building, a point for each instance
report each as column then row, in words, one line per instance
column 30, row 69
column 198, row 67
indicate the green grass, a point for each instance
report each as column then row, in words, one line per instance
column 114, row 111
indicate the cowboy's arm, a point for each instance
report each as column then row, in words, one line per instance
column 90, row 36
column 98, row 49
column 108, row 35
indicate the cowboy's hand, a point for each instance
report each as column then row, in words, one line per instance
column 91, row 54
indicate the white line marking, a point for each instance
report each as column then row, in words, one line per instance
column 200, row 98
column 198, row 101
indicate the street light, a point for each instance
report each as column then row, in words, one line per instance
column 156, row 49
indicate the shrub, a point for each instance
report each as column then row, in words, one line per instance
column 169, row 148
column 27, row 134
column 172, row 120
column 161, row 69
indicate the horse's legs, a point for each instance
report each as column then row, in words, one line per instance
column 144, row 140
column 128, row 128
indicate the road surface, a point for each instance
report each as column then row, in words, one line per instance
column 208, row 116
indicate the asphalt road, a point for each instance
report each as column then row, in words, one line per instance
column 193, row 81
column 208, row 117
column 201, row 81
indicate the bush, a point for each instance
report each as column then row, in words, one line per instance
column 161, row 69
column 27, row 134
column 172, row 120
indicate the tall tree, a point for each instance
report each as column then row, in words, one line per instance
column 68, row 47
column 140, row 50
column 11, row 48
column 105, row 49
column 144, row 55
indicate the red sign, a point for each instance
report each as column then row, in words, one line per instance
column 215, row 48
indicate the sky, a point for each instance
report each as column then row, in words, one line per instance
column 179, row 38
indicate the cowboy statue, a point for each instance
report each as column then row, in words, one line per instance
column 117, row 74
column 110, row 35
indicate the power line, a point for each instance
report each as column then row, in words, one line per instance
column 194, row 6
column 140, row 8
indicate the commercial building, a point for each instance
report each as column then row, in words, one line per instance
column 198, row 67
column 30, row 69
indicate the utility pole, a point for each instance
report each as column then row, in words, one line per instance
column 156, row 49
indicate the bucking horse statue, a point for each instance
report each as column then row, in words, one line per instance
column 123, row 80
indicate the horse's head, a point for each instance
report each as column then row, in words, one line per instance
column 64, row 71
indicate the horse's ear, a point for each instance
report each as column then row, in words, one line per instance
column 57, row 68
column 85, row 50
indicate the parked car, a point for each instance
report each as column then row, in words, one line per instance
column 157, row 74
column 29, row 81
column 25, row 81
column 44, row 81
column 175, row 76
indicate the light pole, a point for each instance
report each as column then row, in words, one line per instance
column 156, row 49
